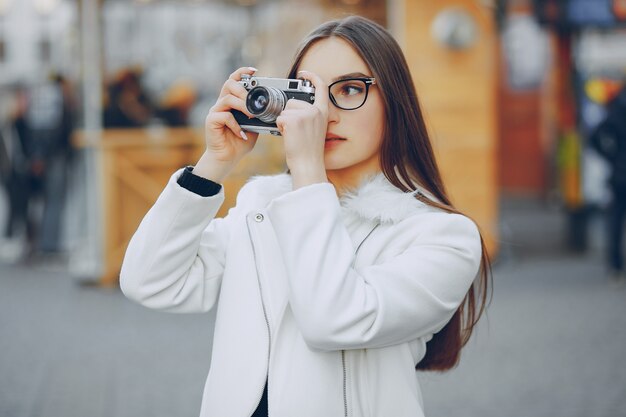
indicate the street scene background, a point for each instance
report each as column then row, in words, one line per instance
column 101, row 100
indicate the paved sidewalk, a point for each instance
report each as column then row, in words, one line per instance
column 553, row 344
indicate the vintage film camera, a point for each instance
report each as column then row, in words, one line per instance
column 267, row 98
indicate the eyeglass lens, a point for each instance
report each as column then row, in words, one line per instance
column 349, row 94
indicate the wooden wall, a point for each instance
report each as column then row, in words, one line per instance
column 457, row 91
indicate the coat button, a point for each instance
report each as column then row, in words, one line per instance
column 258, row 217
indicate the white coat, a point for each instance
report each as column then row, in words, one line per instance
column 331, row 299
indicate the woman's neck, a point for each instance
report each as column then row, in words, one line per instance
column 345, row 180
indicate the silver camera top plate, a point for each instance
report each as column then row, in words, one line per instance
column 284, row 84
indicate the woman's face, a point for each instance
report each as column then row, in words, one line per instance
column 353, row 137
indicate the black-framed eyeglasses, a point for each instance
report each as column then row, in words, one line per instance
column 350, row 93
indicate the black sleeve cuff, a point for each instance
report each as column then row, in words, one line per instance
column 198, row 185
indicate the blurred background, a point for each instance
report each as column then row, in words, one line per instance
column 102, row 100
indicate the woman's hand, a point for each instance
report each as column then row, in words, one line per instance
column 303, row 127
column 226, row 142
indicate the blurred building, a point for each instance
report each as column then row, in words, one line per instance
column 562, row 61
column 37, row 37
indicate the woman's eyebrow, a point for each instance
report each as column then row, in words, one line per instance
column 351, row 75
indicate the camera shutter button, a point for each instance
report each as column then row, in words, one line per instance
column 258, row 217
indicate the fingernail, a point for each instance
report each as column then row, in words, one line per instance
column 252, row 69
column 302, row 71
column 243, row 135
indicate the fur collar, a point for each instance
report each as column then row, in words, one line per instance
column 376, row 199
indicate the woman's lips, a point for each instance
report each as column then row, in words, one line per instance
column 333, row 140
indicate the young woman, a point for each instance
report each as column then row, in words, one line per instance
column 336, row 281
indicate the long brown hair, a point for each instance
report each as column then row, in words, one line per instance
column 407, row 159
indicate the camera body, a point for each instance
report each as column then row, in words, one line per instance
column 267, row 98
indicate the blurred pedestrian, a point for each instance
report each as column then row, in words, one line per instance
column 609, row 139
column 176, row 104
column 5, row 162
column 18, row 227
column 333, row 282
column 127, row 103
column 47, row 128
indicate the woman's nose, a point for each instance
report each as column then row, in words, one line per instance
column 333, row 112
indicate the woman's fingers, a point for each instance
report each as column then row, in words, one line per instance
column 228, row 102
column 321, row 89
column 217, row 120
column 299, row 111
column 300, row 115
column 234, row 88
column 226, row 141
column 236, row 76
column 232, row 85
column 295, row 104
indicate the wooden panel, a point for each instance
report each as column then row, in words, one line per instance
column 469, row 175
column 457, row 91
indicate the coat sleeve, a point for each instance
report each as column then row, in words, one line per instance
column 175, row 259
column 409, row 296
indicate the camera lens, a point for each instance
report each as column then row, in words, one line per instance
column 266, row 103
column 258, row 102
